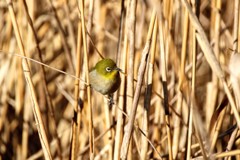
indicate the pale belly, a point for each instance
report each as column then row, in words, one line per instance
column 102, row 84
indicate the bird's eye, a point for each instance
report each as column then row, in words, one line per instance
column 108, row 69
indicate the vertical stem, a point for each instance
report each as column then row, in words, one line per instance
column 131, row 22
column 76, row 118
column 164, row 85
column 91, row 136
column 148, row 94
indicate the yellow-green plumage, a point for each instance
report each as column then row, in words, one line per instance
column 104, row 77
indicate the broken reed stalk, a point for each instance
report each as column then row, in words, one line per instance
column 27, row 74
column 148, row 94
column 91, row 132
column 142, row 67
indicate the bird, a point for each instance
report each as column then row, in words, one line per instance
column 105, row 77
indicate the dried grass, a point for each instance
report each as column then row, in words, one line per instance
column 179, row 95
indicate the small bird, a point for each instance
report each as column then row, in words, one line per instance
column 104, row 77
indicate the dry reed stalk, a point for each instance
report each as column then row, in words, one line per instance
column 122, row 90
column 118, row 60
column 235, row 25
column 176, row 125
column 77, row 114
column 231, row 142
column 130, row 33
column 192, row 99
column 140, row 25
column 157, row 121
column 44, row 81
column 91, row 134
column 228, row 153
column 19, row 87
column 215, row 36
column 120, row 120
column 27, row 114
column 163, row 61
column 197, row 125
column 170, row 13
column 108, row 117
column 176, row 133
column 190, row 131
column 27, row 74
column 148, row 94
column 20, row 94
column 20, row 82
column 26, row 117
column 82, row 139
column 217, row 128
column 86, row 45
column 142, row 67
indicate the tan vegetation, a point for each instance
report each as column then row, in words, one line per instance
column 179, row 96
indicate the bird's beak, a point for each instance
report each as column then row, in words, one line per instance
column 118, row 69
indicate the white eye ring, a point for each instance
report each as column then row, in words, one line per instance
column 108, row 69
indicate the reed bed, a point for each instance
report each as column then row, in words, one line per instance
column 180, row 88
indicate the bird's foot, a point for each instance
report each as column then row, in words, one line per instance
column 110, row 100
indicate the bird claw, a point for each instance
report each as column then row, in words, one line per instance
column 110, row 100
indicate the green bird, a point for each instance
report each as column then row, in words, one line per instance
column 104, row 77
